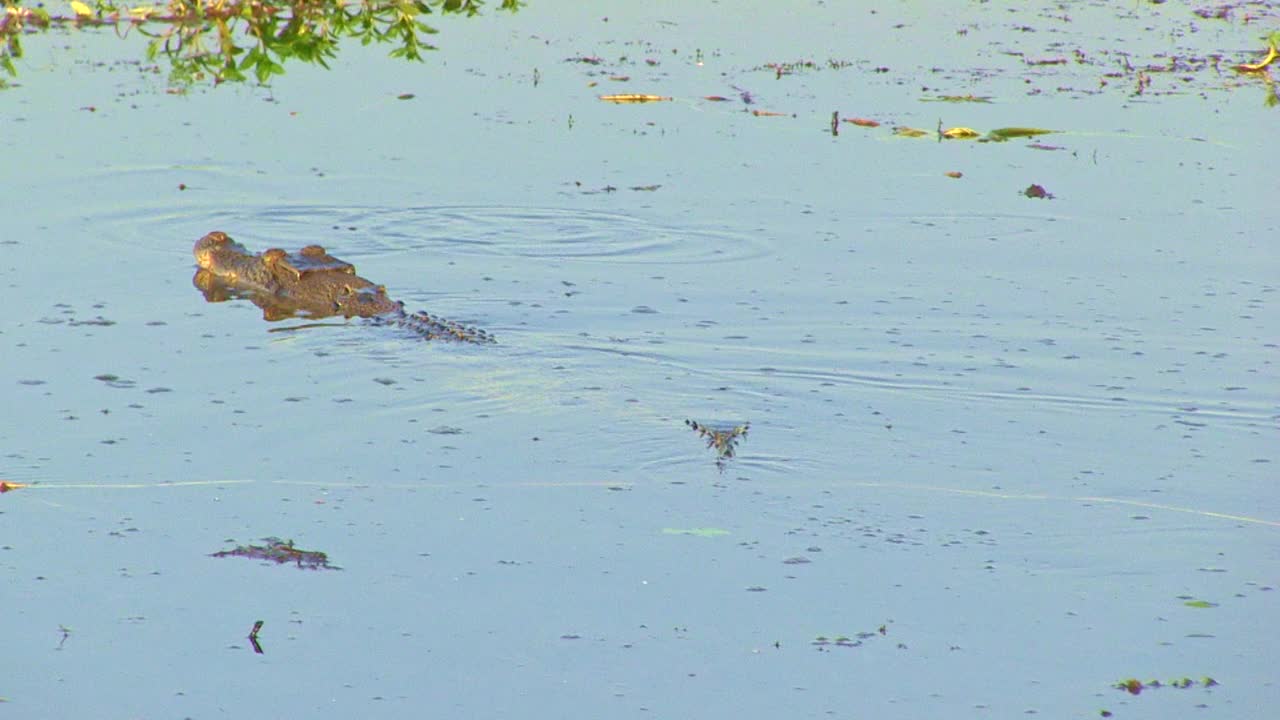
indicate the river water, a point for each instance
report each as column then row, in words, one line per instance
column 1003, row 452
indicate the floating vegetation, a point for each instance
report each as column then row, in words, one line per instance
column 281, row 552
column 6, row 486
column 845, row 641
column 960, row 133
column 1261, row 66
column 1133, row 686
column 903, row 131
column 232, row 40
column 958, row 99
column 1008, row 133
column 1038, row 192
column 253, row 637
column 631, row 98
column 724, row 440
column 1204, row 604
column 790, row 68
column 862, row 122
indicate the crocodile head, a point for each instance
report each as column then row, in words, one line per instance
column 214, row 250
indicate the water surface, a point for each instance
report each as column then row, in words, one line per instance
column 1018, row 435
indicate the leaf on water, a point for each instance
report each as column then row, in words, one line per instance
column 633, row 98
column 715, row 98
column 904, row 131
column 1272, row 54
column 6, row 486
column 405, row 96
column 81, row 10
column 1133, row 686
column 955, row 174
column 1002, row 134
column 959, row 98
column 960, row 133
column 1038, row 192
column 862, row 122
column 1200, row 604
column 767, row 113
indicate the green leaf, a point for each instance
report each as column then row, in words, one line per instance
column 1002, row 134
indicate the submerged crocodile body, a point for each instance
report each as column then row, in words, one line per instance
column 308, row 283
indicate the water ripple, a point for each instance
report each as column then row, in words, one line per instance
column 474, row 230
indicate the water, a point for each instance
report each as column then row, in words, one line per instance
column 1019, row 435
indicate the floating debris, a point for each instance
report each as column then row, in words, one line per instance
column 822, row 641
column 958, row 98
column 1037, row 191
column 1134, row 686
column 281, row 552
column 862, row 122
column 1003, row 134
column 904, row 131
column 253, row 636
column 724, row 440
column 960, row 133
column 6, row 486
column 633, row 98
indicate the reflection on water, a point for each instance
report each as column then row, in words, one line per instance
column 246, row 39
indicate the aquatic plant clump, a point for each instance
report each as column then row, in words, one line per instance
column 281, row 552
column 723, row 440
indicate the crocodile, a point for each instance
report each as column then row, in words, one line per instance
column 310, row 283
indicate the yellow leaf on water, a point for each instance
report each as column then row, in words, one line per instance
column 633, row 98
column 6, row 486
column 960, row 133
column 1272, row 54
column 904, row 131
column 81, row 9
